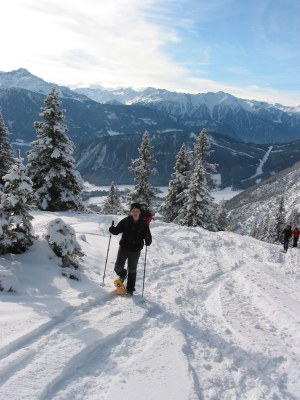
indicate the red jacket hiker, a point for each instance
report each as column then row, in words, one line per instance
column 296, row 234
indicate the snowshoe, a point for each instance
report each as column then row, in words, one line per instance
column 121, row 290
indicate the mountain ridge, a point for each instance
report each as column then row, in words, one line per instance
column 238, row 118
column 246, row 120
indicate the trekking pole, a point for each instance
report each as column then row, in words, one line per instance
column 144, row 271
column 112, row 224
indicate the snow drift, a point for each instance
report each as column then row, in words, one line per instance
column 220, row 319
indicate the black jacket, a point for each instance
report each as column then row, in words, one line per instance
column 287, row 233
column 133, row 233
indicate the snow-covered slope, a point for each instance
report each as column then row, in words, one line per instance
column 259, row 202
column 220, row 320
column 104, row 95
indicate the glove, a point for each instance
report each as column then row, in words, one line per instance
column 148, row 241
column 112, row 227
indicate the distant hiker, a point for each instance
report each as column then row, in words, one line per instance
column 296, row 234
column 287, row 234
column 135, row 231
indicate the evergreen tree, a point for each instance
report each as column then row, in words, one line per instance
column 4, row 236
column 254, row 230
column 203, row 151
column 17, row 233
column 112, row 204
column 270, row 237
column 6, row 153
column 263, row 230
column 177, row 185
column 294, row 218
column 222, row 217
column 143, row 191
column 198, row 208
column 56, row 184
column 279, row 220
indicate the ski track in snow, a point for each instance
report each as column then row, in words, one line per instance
column 220, row 321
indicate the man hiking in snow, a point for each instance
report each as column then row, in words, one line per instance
column 287, row 234
column 135, row 231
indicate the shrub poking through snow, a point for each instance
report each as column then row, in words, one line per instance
column 8, row 281
column 62, row 240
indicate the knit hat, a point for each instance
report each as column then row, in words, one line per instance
column 136, row 205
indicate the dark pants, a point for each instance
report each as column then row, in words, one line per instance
column 133, row 259
column 295, row 241
column 286, row 243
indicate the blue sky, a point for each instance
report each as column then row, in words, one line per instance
column 240, row 41
column 249, row 48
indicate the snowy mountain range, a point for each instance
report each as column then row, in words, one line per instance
column 245, row 120
column 107, row 135
column 188, row 103
column 23, row 79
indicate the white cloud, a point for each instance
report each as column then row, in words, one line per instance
column 108, row 41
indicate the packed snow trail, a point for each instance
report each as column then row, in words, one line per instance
column 220, row 320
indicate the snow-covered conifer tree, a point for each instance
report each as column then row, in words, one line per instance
column 143, row 192
column 56, row 183
column 6, row 153
column 294, row 218
column 198, row 208
column 280, row 220
column 203, row 150
column 263, row 230
column 112, row 204
column 177, row 185
column 222, row 217
column 15, row 208
column 270, row 235
column 254, row 230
